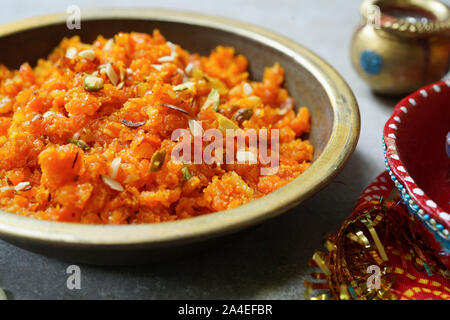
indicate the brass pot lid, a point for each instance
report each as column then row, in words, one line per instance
column 416, row 18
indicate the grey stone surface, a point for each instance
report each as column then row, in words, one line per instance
column 270, row 261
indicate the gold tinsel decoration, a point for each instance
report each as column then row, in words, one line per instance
column 362, row 241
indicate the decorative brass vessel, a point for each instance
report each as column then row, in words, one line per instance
column 402, row 45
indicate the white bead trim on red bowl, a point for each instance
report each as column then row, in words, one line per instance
column 433, row 217
column 437, row 228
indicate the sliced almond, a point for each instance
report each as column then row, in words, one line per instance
column 166, row 59
column 76, row 135
column 157, row 66
column 196, row 128
column 189, row 68
column 173, row 48
column 113, row 184
column 111, row 74
column 248, row 90
column 6, row 188
column 87, row 54
column 71, row 53
column 47, row 114
column 108, row 45
column 22, row 186
column 114, row 167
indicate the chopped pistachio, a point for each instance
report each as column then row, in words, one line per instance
column 184, row 86
column 93, row 83
column 79, row 143
column 157, row 160
column 224, row 123
column 3, row 295
column 186, row 174
column 212, row 100
column 254, row 101
column 215, row 83
column 114, row 167
column 36, row 117
column 282, row 112
column 243, row 114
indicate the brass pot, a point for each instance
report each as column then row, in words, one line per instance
column 402, row 45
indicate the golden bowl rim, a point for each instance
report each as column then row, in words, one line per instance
column 341, row 145
column 402, row 27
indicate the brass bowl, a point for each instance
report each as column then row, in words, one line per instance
column 310, row 80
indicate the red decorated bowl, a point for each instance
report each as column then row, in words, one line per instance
column 416, row 158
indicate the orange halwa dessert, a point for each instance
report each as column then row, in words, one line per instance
column 86, row 135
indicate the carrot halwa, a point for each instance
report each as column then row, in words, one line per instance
column 86, row 135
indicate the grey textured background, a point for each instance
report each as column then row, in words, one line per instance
column 270, row 261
